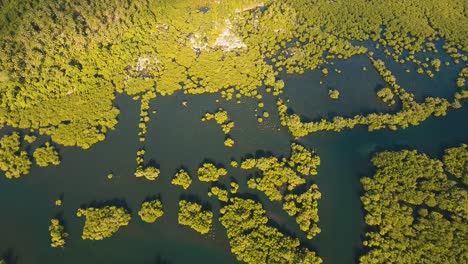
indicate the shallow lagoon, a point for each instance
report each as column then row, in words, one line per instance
column 177, row 138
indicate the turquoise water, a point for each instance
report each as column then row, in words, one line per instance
column 177, row 138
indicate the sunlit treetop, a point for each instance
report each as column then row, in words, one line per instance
column 63, row 63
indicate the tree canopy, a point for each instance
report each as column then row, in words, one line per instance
column 192, row 214
column 417, row 214
column 13, row 161
column 103, row 222
column 253, row 241
column 57, row 234
column 151, row 210
column 46, row 155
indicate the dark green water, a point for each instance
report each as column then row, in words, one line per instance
column 176, row 137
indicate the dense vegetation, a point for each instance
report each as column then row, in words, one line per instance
column 192, row 214
column 209, row 172
column 150, row 173
column 46, row 155
column 13, row 161
column 220, row 193
column 151, row 210
column 182, row 178
column 253, row 241
column 417, row 214
column 305, row 209
column 102, row 222
column 57, row 234
column 456, row 162
column 279, row 173
column 63, row 84
column 63, row 63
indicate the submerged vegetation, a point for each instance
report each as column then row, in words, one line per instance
column 416, row 212
column 192, row 214
column 103, row 222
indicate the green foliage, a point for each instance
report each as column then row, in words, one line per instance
column 103, row 222
column 253, row 241
column 13, row 161
column 59, row 74
column 57, row 234
column 278, row 173
column 386, row 95
column 305, row 208
column 30, row 138
column 411, row 114
column 305, row 161
column 151, row 210
column 417, row 214
column 222, row 118
column 46, row 155
column 462, row 76
column 229, row 142
column 192, row 215
column 234, row 187
column 150, row 173
column 456, row 162
column 275, row 175
column 222, row 194
column 182, row 178
column 209, row 172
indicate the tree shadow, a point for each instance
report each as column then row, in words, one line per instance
column 250, row 196
column 118, row 202
column 61, row 219
column 152, row 197
column 9, row 257
column 195, row 199
column 161, row 260
column 217, row 164
column 152, row 163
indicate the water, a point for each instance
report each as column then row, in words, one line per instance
column 177, row 138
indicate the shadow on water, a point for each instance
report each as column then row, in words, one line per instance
column 118, row 202
column 10, row 257
column 206, row 206
column 153, row 197
column 153, row 163
column 250, row 196
column 161, row 260
column 217, row 164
